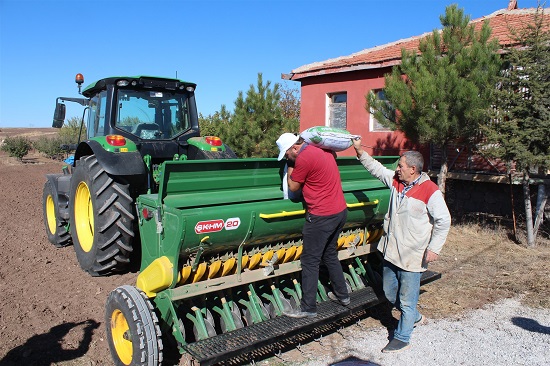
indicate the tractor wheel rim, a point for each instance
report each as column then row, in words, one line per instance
column 50, row 215
column 119, row 332
column 84, row 217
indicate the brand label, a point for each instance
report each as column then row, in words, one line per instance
column 209, row 226
column 232, row 223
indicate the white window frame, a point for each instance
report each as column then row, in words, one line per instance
column 374, row 125
column 328, row 120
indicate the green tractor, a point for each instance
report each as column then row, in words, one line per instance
column 219, row 244
column 133, row 125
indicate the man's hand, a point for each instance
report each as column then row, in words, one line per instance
column 292, row 185
column 357, row 146
column 431, row 256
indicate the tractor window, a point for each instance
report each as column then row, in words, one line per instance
column 152, row 114
column 96, row 116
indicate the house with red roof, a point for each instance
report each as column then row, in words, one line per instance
column 333, row 93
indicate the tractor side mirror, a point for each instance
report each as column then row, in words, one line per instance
column 59, row 115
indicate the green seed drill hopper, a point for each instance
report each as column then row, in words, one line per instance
column 220, row 260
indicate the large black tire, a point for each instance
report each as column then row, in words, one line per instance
column 101, row 217
column 133, row 330
column 55, row 226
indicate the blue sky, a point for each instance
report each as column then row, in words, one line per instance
column 220, row 45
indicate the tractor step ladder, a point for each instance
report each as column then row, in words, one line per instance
column 251, row 338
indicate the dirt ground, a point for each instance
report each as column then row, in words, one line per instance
column 52, row 313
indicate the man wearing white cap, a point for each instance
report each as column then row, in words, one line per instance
column 314, row 170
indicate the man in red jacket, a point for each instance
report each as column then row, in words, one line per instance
column 314, row 171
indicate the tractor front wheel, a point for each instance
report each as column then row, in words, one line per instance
column 133, row 330
column 56, row 230
column 101, row 219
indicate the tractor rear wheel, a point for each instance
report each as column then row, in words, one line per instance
column 101, row 219
column 133, row 330
column 58, row 235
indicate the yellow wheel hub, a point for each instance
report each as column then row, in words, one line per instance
column 84, row 216
column 50, row 215
column 122, row 341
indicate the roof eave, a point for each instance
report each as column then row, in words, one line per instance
column 341, row 69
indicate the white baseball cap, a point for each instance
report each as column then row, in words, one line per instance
column 285, row 142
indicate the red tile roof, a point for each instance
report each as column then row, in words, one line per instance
column 390, row 54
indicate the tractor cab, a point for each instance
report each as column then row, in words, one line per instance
column 158, row 114
column 142, row 114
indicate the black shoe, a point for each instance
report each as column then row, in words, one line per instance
column 333, row 297
column 297, row 313
column 395, row 345
column 420, row 321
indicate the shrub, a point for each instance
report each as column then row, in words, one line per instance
column 17, row 146
column 70, row 130
column 50, row 147
column 67, row 135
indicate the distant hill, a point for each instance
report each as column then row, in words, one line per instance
column 31, row 133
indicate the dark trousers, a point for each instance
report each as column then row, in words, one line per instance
column 320, row 238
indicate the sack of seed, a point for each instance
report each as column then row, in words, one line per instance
column 330, row 138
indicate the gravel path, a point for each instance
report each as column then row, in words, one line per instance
column 505, row 333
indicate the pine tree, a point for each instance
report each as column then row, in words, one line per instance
column 443, row 93
column 520, row 131
column 257, row 121
column 212, row 124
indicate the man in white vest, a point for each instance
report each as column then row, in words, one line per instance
column 415, row 229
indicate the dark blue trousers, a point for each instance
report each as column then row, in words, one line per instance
column 320, row 238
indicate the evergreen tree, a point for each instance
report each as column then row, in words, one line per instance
column 212, row 124
column 520, row 129
column 443, row 93
column 256, row 122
